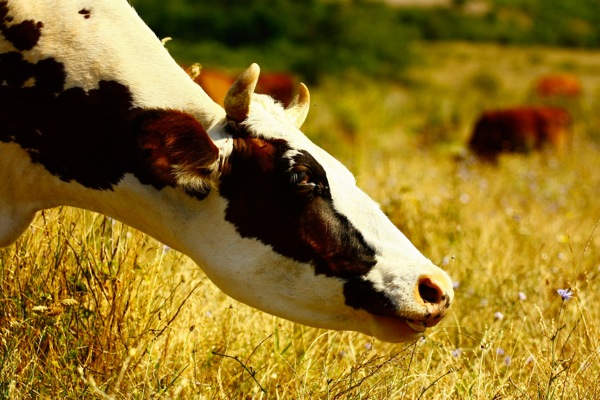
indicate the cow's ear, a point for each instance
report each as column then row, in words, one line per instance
column 177, row 151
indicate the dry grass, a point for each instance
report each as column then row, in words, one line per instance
column 90, row 308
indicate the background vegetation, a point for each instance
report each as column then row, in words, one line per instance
column 90, row 308
column 310, row 38
column 317, row 37
column 554, row 23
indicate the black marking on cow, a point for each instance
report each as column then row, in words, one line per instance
column 76, row 135
column 266, row 203
column 23, row 35
column 360, row 293
column 85, row 12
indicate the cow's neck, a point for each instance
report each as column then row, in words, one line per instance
column 163, row 214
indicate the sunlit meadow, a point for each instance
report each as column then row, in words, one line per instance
column 90, row 308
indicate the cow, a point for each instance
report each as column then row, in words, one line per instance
column 95, row 114
column 215, row 82
column 520, row 130
column 558, row 85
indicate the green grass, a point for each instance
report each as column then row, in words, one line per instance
column 90, row 308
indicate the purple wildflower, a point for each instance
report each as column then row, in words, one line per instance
column 446, row 260
column 456, row 352
column 498, row 315
column 566, row 294
column 522, row 296
column 530, row 359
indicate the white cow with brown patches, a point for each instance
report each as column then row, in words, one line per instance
column 94, row 113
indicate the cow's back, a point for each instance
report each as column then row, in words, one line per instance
column 519, row 130
column 555, row 125
column 503, row 131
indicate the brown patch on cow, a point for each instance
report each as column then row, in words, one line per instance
column 85, row 12
column 520, row 130
column 23, row 35
column 175, row 139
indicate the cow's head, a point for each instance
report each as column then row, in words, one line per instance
column 293, row 235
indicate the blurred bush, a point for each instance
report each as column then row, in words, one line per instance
column 316, row 37
column 310, row 37
column 556, row 22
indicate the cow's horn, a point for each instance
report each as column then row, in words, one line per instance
column 237, row 99
column 298, row 108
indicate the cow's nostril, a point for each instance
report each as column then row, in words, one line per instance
column 430, row 292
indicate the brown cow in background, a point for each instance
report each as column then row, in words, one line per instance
column 281, row 86
column 520, row 130
column 557, row 85
column 215, row 83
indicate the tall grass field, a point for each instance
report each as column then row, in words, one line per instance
column 92, row 309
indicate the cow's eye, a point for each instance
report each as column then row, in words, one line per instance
column 299, row 177
column 301, row 180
